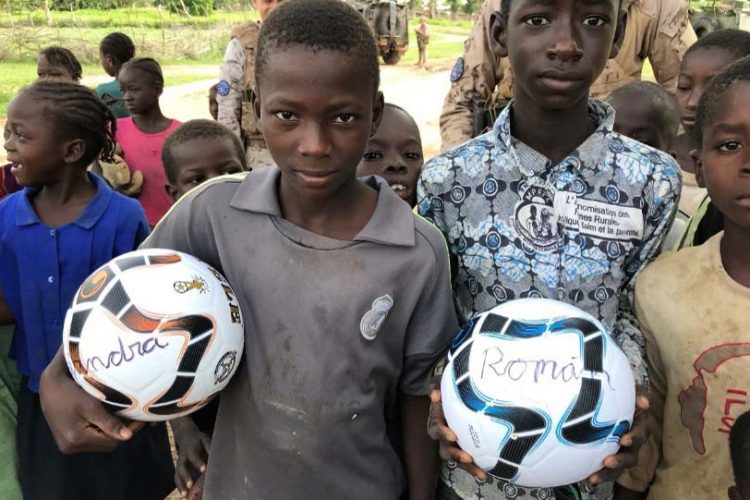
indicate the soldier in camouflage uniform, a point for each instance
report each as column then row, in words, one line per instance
column 656, row 29
column 237, row 81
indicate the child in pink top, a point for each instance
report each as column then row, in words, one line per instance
column 142, row 135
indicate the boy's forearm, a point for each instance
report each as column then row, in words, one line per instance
column 420, row 452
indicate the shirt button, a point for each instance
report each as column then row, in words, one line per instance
column 52, row 232
column 51, row 279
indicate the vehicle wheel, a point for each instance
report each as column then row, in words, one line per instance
column 705, row 25
column 392, row 56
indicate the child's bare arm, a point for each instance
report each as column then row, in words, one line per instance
column 420, row 451
column 6, row 317
column 77, row 420
column 192, row 453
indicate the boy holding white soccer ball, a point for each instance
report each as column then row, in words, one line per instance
column 551, row 203
column 345, row 292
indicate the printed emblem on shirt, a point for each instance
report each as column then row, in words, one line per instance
column 535, row 219
column 598, row 219
column 729, row 402
column 375, row 317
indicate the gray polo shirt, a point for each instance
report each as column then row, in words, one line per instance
column 333, row 330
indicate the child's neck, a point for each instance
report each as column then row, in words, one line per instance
column 152, row 121
column 61, row 203
column 553, row 133
column 735, row 252
column 341, row 216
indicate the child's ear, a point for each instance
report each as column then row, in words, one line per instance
column 498, row 34
column 377, row 112
column 700, row 178
column 74, row 151
column 622, row 22
column 255, row 103
column 174, row 195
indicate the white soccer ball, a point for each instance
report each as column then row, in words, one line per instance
column 154, row 334
column 537, row 392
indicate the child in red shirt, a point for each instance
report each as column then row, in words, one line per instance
column 142, row 135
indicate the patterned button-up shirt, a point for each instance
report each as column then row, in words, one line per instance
column 579, row 231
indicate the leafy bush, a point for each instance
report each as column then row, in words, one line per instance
column 188, row 7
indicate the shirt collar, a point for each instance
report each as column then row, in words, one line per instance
column 589, row 154
column 26, row 215
column 392, row 222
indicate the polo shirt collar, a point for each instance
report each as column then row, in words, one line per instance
column 26, row 215
column 588, row 155
column 392, row 222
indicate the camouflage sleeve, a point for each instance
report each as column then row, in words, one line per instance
column 231, row 85
column 673, row 37
column 475, row 74
column 661, row 196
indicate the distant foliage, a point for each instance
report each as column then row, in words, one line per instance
column 189, row 7
column 85, row 4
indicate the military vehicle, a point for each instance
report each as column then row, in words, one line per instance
column 707, row 16
column 389, row 21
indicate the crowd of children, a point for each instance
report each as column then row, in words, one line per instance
column 354, row 261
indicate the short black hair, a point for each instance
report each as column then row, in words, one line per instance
column 318, row 25
column 668, row 112
column 60, row 56
column 197, row 129
column 408, row 115
column 739, row 449
column 118, row 46
column 149, row 66
column 735, row 42
column 739, row 71
column 77, row 113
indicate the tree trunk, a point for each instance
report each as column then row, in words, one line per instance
column 47, row 13
column 433, row 9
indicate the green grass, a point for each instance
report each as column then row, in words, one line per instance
column 13, row 76
column 175, row 41
column 122, row 18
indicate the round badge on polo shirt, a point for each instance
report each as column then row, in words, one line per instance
column 375, row 317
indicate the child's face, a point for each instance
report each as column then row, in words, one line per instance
column 199, row 160
column 696, row 71
column 316, row 109
column 46, row 70
column 557, row 48
column 725, row 164
column 395, row 153
column 32, row 145
column 265, row 7
column 139, row 93
column 637, row 119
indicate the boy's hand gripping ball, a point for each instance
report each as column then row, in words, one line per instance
column 154, row 334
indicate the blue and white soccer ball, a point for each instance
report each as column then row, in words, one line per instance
column 537, row 392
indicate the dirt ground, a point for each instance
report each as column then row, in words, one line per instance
column 419, row 91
